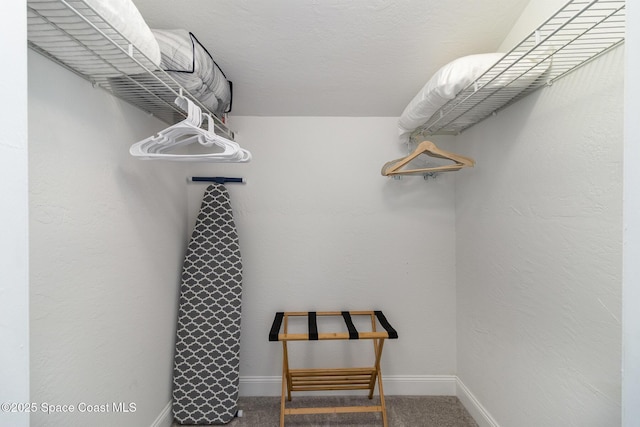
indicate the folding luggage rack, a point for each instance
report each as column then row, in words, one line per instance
column 361, row 378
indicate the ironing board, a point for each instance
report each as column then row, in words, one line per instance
column 206, row 361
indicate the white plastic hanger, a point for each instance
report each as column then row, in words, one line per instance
column 173, row 134
column 232, row 150
column 188, row 131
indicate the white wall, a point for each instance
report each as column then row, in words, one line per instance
column 321, row 229
column 14, row 251
column 107, row 241
column 631, row 292
column 532, row 17
column 539, row 252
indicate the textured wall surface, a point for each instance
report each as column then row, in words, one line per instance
column 631, row 293
column 539, row 252
column 107, row 241
column 321, row 229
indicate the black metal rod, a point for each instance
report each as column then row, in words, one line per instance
column 217, row 179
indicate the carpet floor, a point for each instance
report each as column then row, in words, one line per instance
column 402, row 411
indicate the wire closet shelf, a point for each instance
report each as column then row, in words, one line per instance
column 576, row 34
column 75, row 36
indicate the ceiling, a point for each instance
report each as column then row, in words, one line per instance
column 334, row 57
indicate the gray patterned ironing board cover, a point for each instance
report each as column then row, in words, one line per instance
column 207, row 355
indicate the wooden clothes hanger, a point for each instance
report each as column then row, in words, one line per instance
column 394, row 167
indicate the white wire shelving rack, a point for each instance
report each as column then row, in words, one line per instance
column 578, row 33
column 75, row 36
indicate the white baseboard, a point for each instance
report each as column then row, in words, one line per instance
column 473, row 406
column 419, row 385
column 165, row 419
column 260, row 386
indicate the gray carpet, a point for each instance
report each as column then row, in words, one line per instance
column 402, row 411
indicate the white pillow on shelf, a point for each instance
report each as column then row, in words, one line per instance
column 443, row 86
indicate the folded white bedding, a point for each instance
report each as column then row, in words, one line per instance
column 442, row 87
column 122, row 16
column 189, row 63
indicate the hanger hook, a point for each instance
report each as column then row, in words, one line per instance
column 428, row 175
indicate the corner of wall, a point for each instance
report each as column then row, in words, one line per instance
column 14, row 226
column 475, row 408
column 631, row 218
column 536, row 12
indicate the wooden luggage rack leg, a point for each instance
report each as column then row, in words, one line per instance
column 364, row 378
